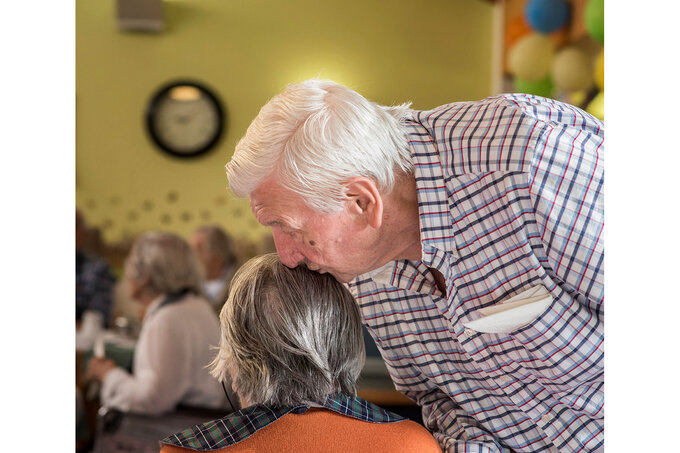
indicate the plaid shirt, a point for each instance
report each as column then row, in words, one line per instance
column 509, row 196
column 240, row 425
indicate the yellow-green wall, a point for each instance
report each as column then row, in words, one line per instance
column 429, row 51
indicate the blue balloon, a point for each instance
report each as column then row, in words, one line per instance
column 546, row 16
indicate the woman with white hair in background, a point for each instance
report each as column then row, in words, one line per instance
column 292, row 342
column 179, row 332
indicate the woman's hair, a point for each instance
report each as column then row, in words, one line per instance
column 314, row 137
column 217, row 243
column 166, row 262
column 289, row 336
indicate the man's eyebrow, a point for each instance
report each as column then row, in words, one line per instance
column 281, row 224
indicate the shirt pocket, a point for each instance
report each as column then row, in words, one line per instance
column 515, row 313
column 563, row 347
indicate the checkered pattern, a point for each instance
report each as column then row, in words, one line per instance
column 240, row 425
column 509, row 196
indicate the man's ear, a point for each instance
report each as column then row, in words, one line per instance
column 364, row 199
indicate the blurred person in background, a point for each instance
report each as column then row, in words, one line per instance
column 178, row 333
column 470, row 235
column 215, row 250
column 292, row 343
column 94, row 281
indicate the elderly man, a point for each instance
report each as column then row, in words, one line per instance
column 292, row 341
column 469, row 234
column 215, row 249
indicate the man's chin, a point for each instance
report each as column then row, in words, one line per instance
column 342, row 278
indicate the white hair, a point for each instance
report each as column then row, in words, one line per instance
column 166, row 262
column 314, row 137
column 289, row 336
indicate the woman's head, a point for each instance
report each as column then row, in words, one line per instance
column 163, row 263
column 289, row 336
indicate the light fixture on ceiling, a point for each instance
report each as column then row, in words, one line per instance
column 140, row 15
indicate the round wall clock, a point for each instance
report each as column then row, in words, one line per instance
column 185, row 119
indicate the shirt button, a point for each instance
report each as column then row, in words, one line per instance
column 469, row 332
column 503, row 379
column 545, row 418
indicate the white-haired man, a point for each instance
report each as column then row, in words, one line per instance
column 470, row 236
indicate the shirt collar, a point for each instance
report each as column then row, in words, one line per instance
column 384, row 274
column 153, row 306
column 436, row 229
column 240, row 425
column 434, row 217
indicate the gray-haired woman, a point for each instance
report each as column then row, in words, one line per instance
column 292, row 344
column 178, row 334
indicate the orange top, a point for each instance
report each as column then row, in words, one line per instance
column 321, row 430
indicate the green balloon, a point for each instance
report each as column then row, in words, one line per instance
column 594, row 18
column 543, row 87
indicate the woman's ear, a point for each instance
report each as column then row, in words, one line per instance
column 364, row 200
column 232, row 376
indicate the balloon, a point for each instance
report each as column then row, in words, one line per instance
column 596, row 106
column 543, row 87
column 594, row 19
column 577, row 97
column 572, row 69
column 546, row 16
column 559, row 37
column 530, row 58
column 598, row 73
column 516, row 28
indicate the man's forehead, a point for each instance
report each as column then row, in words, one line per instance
column 273, row 203
column 271, row 191
column 264, row 190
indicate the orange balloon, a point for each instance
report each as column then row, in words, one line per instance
column 517, row 28
column 559, row 37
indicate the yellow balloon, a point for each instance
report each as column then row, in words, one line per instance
column 577, row 97
column 531, row 56
column 598, row 74
column 596, row 106
column 572, row 69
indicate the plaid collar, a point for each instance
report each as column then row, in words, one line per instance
column 240, row 425
column 436, row 229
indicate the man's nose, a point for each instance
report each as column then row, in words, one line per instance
column 287, row 249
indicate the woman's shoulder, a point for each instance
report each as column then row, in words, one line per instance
column 326, row 430
column 302, row 429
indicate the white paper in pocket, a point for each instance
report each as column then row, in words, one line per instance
column 516, row 312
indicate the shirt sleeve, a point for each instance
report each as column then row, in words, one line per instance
column 455, row 430
column 159, row 380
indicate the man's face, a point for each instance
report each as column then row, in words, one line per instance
column 327, row 243
column 212, row 265
column 196, row 241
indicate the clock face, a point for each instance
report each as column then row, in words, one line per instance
column 185, row 119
